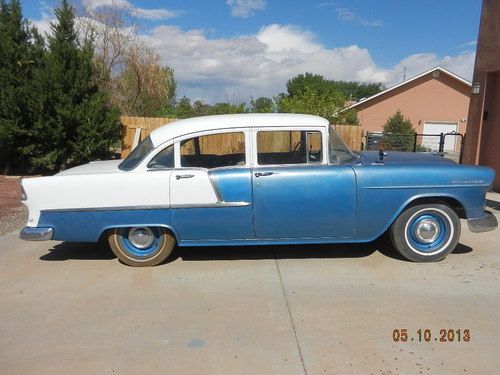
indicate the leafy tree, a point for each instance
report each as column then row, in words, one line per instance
column 351, row 90
column 313, row 94
column 298, row 85
column 74, row 122
column 21, row 50
column 262, row 105
column 358, row 90
column 398, row 133
column 227, row 108
column 183, row 108
column 127, row 67
column 201, row 108
column 144, row 87
column 310, row 101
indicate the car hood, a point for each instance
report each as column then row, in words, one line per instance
column 107, row 166
column 394, row 157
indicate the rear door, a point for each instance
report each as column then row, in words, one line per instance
column 210, row 188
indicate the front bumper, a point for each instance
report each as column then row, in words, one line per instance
column 484, row 223
column 36, row 234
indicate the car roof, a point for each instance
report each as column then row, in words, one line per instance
column 199, row 124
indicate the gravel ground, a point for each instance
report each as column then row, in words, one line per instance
column 13, row 214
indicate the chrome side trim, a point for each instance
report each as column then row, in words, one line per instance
column 484, row 223
column 420, row 186
column 215, row 187
column 212, row 205
column 36, row 234
column 119, row 208
column 159, row 207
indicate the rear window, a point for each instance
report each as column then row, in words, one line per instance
column 137, row 155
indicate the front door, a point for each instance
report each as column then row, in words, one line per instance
column 296, row 193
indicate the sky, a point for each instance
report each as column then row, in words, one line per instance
column 231, row 50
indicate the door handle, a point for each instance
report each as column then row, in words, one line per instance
column 262, row 174
column 179, row 176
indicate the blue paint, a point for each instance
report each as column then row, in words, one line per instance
column 213, row 223
column 438, row 242
column 294, row 205
column 234, row 185
column 134, row 251
column 304, row 201
column 384, row 191
column 87, row 226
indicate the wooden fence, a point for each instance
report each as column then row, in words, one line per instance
column 135, row 129
column 138, row 128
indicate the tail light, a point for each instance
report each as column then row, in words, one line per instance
column 24, row 196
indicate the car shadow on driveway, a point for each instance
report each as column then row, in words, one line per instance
column 78, row 251
column 100, row 251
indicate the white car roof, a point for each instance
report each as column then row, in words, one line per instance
column 199, row 124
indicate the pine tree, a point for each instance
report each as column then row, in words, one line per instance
column 21, row 50
column 74, row 123
column 398, row 133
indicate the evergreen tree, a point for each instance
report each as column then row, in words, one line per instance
column 398, row 133
column 74, row 123
column 21, row 50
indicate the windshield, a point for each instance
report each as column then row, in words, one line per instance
column 137, row 155
column 339, row 152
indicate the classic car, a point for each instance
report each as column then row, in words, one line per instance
column 255, row 179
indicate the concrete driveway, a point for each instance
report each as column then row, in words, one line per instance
column 73, row 308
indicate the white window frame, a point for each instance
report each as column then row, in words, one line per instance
column 324, row 143
column 245, row 130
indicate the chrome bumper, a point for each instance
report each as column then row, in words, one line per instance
column 484, row 223
column 36, row 234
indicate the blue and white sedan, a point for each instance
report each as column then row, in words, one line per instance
column 256, row 179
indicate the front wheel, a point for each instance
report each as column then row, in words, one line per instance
column 141, row 246
column 426, row 232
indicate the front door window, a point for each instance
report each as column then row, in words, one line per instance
column 289, row 147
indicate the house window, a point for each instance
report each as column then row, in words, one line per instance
column 214, row 151
column 289, row 147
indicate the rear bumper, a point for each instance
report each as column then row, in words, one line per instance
column 484, row 223
column 36, row 234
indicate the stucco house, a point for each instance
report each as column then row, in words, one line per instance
column 482, row 144
column 436, row 101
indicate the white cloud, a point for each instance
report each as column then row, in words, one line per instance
column 472, row 43
column 245, row 8
column 326, row 4
column 280, row 38
column 345, row 15
column 215, row 69
column 149, row 14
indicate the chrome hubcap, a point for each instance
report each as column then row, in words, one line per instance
column 141, row 237
column 427, row 231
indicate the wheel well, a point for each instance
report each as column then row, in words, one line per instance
column 448, row 201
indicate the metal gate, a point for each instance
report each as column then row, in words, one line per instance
column 418, row 143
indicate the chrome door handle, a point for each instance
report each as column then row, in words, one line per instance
column 262, row 174
column 179, row 176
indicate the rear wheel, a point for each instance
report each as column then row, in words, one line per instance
column 141, row 246
column 426, row 233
